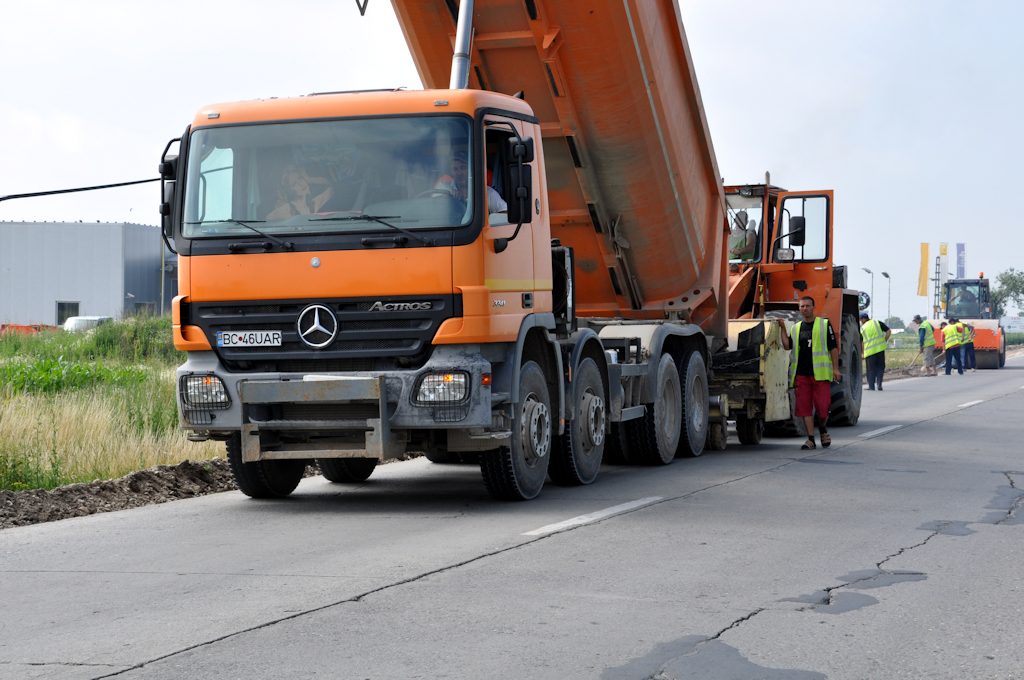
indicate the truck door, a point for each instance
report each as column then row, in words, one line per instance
column 810, row 239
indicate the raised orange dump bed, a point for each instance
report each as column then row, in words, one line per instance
column 633, row 184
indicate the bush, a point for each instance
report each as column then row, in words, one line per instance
column 1015, row 338
column 53, row 375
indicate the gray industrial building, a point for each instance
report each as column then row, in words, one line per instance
column 52, row 270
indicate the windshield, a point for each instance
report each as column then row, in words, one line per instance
column 329, row 176
column 965, row 300
column 744, row 226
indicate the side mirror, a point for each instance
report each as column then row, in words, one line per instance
column 797, row 235
column 523, row 149
column 165, row 209
column 168, row 168
column 520, row 200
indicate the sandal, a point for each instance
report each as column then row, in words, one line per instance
column 826, row 440
column 809, row 444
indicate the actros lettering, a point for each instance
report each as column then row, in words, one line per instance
column 362, row 6
column 398, row 306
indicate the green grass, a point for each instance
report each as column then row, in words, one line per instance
column 1015, row 338
column 75, row 407
column 132, row 340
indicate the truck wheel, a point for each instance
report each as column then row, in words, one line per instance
column 695, row 405
column 846, row 395
column 749, row 430
column 657, row 432
column 576, row 455
column 717, row 437
column 617, row 450
column 264, row 478
column 517, row 472
column 344, row 470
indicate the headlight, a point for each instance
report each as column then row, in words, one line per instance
column 443, row 388
column 204, row 391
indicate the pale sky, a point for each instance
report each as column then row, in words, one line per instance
column 910, row 111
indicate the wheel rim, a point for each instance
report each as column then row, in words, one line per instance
column 593, row 420
column 535, row 430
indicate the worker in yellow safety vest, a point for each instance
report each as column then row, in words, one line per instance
column 875, row 335
column 967, row 342
column 926, row 344
column 951, row 346
column 813, row 366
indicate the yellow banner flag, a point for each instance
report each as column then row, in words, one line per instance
column 922, row 278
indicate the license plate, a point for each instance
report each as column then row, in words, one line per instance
column 249, row 339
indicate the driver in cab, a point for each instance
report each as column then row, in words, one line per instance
column 457, row 184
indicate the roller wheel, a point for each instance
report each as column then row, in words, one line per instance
column 264, row 478
column 517, row 472
column 346, row 470
column 717, row 437
column 576, row 455
column 749, row 430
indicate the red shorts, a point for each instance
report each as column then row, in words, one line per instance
column 812, row 395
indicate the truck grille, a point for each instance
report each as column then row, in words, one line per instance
column 364, row 332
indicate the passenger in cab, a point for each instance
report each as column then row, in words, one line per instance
column 295, row 194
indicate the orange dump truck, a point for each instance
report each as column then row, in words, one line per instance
column 532, row 279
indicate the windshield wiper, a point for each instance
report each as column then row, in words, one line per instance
column 287, row 245
column 376, row 218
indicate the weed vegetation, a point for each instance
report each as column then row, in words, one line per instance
column 75, row 407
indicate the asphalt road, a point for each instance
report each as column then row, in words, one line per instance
column 896, row 553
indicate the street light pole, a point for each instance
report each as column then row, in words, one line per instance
column 889, row 307
column 872, row 305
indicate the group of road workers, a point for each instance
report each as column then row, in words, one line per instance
column 957, row 343
column 814, row 361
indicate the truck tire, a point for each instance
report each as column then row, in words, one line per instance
column 517, row 472
column 846, row 395
column 749, row 430
column 576, row 455
column 346, row 470
column 264, row 478
column 617, row 449
column 694, row 376
column 656, row 433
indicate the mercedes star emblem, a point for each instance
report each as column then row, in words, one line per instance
column 317, row 326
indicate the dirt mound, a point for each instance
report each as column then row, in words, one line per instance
column 156, row 485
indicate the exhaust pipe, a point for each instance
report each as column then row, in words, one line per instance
column 463, row 41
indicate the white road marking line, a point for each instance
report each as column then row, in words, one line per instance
column 970, row 403
column 593, row 516
column 875, row 433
